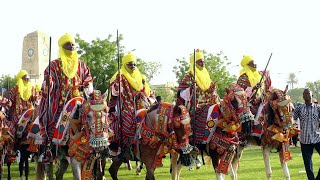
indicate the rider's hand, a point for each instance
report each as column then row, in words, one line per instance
column 258, row 86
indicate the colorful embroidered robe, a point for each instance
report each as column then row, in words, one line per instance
column 61, row 90
column 18, row 107
column 204, row 99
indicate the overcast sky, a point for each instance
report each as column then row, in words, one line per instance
column 169, row 29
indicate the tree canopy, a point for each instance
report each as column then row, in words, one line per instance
column 216, row 65
column 6, row 83
column 101, row 56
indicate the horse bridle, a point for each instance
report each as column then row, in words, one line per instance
column 281, row 102
column 97, row 105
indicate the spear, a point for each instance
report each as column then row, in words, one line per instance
column 263, row 74
column 194, row 97
column 48, row 99
column 119, row 95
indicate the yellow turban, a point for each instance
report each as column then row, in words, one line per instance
column 129, row 58
column 69, row 59
column 253, row 75
column 21, row 74
column 24, row 88
column 134, row 78
column 38, row 87
column 202, row 76
column 66, row 38
column 246, row 60
column 199, row 55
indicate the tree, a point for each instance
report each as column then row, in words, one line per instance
column 150, row 69
column 167, row 92
column 216, row 66
column 6, row 82
column 296, row 95
column 102, row 58
column 292, row 79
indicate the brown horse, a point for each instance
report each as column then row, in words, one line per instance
column 277, row 124
column 163, row 128
column 220, row 125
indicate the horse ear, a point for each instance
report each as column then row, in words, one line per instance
column 286, row 89
column 105, row 95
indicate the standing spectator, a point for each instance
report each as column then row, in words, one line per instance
column 309, row 115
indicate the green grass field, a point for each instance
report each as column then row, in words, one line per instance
column 251, row 167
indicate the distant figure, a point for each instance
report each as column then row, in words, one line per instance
column 158, row 98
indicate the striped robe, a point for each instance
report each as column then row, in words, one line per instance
column 61, row 91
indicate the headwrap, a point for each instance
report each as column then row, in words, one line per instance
column 134, row 78
column 253, row 76
column 38, row 88
column 69, row 59
column 24, row 88
column 147, row 88
column 202, row 76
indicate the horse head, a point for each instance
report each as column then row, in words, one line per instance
column 94, row 119
column 235, row 108
column 182, row 129
column 141, row 101
column 279, row 114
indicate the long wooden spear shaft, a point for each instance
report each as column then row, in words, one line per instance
column 256, row 90
column 119, row 89
column 194, row 98
column 48, row 99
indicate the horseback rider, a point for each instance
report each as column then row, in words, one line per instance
column 132, row 82
column 68, row 76
column 21, row 98
column 205, row 92
column 250, row 81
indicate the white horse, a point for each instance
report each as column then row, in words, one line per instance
column 277, row 124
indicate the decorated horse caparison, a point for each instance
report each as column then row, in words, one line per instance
column 6, row 143
column 219, row 129
column 162, row 129
column 277, row 129
column 84, row 128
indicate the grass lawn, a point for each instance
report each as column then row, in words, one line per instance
column 251, row 167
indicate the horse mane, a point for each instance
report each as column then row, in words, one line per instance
column 153, row 107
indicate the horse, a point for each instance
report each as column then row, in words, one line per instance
column 277, row 127
column 216, row 133
column 88, row 132
column 6, row 143
column 25, row 145
column 162, row 129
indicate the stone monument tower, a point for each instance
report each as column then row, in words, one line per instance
column 35, row 55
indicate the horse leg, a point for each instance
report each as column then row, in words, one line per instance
column 76, row 168
column 284, row 166
column 113, row 169
column 129, row 166
column 150, row 171
column 139, row 167
column 1, row 170
column 40, row 172
column 235, row 163
column 26, row 168
column 49, row 170
column 266, row 158
column 99, row 168
column 62, row 168
column 9, row 174
column 175, row 167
